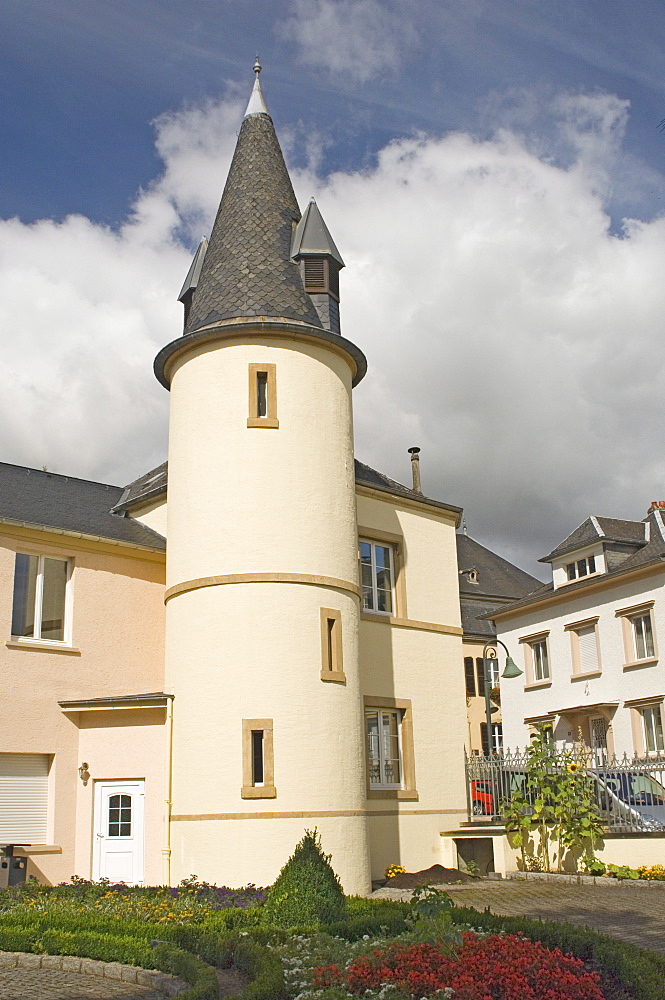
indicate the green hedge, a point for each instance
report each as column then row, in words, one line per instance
column 119, row 948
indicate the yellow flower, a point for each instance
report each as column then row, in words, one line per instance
column 573, row 768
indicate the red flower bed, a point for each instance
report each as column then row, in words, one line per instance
column 490, row 968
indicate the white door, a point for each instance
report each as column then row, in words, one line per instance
column 118, row 836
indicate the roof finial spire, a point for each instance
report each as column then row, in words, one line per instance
column 256, row 106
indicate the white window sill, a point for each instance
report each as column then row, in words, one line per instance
column 538, row 684
column 42, row 646
column 648, row 661
column 584, row 676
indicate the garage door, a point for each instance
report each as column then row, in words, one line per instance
column 23, row 797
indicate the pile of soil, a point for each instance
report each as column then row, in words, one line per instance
column 436, row 875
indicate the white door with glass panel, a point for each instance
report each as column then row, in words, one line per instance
column 118, row 837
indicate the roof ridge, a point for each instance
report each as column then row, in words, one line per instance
column 61, row 475
column 594, row 521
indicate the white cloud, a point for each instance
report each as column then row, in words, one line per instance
column 508, row 332
column 355, row 40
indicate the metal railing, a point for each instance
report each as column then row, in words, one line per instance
column 629, row 792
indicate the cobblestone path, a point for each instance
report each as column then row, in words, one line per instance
column 52, row 984
column 628, row 912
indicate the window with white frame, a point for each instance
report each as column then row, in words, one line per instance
column 384, row 747
column 378, row 575
column 540, row 660
column 581, row 567
column 652, row 724
column 40, row 598
column 642, row 635
column 497, row 738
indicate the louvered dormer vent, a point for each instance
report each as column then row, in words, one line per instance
column 320, row 276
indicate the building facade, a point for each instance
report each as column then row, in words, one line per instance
column 588, row 642
column 486, row 581
column 261, row 636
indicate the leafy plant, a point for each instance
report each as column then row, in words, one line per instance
column 558, row 800
column 307, row 890
column 430, row 918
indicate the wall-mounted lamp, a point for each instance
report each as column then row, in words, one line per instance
column 84, row 773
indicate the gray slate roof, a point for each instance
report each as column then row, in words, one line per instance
column 496, row 576
column 594, row 529
column 48, row 500
column 313, row 236
column 497, row 579
column 650, row 553
column 194, row 273
column 154, row 483
column 248, row 269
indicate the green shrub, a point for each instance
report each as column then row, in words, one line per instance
column 176, row 961
column 307, row 890
column 103, row 947
column 17, row 938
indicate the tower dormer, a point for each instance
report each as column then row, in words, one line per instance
column 320, row 263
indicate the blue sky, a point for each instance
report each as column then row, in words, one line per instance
column 83, row 79
column 492, row 171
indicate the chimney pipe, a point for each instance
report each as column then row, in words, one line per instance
column 415, row 469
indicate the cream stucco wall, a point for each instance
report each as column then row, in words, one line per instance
column 259, row 499
column 262, row 500
column 154, row 515
column 117, row 648
column 418, row 659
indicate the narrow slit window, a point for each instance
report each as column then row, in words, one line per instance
column 257, row 758
column 262, row 396
column 331, row 645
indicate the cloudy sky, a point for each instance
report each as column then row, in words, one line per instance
column 492, row 171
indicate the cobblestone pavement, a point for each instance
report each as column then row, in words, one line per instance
column 52, row 984
column 628, row 912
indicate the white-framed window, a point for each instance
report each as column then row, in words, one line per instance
column 581, row 567
column 377, row 567
column 540, row 660
column 497, row 738
column 652, row 727
column 40, row 607
column 642, row 635
column 384, row 747
column 492, row 667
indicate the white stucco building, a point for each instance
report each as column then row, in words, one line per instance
column 590, row 642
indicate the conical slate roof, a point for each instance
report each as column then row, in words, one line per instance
column 248, row 270
column 313, row 236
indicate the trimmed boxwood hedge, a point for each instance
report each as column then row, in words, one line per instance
column 238, row 938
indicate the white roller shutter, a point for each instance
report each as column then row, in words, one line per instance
column 23, row 798
column 588, row 649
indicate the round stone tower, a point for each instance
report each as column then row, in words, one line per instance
column 262, row 569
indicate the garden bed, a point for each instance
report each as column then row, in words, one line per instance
column 566, row 879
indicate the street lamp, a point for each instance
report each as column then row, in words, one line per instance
column 511, row 670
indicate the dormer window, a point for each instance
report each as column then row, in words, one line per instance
column 581, row 567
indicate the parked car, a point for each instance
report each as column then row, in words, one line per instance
column 633, row 798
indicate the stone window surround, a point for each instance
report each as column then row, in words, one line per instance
column 250, row 790
column 408, row 790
